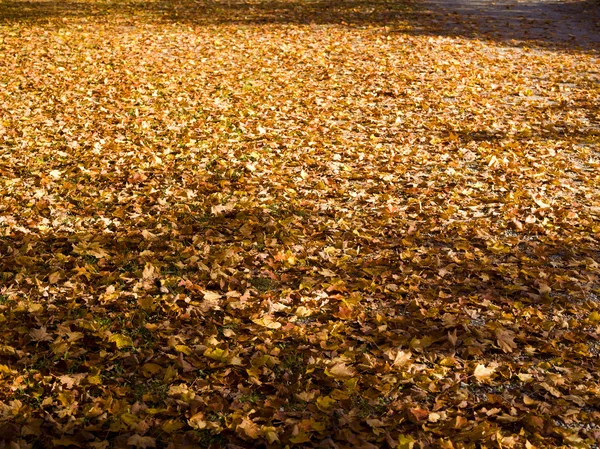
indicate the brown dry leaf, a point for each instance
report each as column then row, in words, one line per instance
column 142, row 442
column 54, row 277
column 249, row 428
column 418, row 415
column 505, row 340
column 198, row 421
column 340, row 371
column 149, row 272
column 398, row 357
column 40, row 334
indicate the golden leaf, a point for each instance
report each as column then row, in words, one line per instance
column 197, row 421
column 249, row 428
column 149, row 271
column 483, row 374
column 171, row 425
column 122, row 341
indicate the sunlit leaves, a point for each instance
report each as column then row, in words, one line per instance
column 230, row 225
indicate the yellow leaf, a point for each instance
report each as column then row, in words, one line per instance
column 324, row 403
column 405, row 442
column 170, row 374
column 122, row 341
column 268, row 322
column 130, row 419
column 197, row 421
column 183, row 348
column 301, row 437
column 171, row 425
column 220, row 355
column 270, row 433
column 594, row 317
column 7, row 350
column 95, row 379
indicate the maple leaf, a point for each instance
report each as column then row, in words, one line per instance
column 340, row 371
column 505, row 340
column 69, row 381
column 40, row 334
column 399, row 358
column 249, row 428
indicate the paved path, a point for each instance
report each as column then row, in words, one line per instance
column 569, row 23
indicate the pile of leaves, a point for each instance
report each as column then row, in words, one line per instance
column 293, row 224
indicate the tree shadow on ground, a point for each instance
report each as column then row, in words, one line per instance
column 562, row 25
column 448, row 298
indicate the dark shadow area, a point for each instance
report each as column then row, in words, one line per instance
column 572, row 25
column 216, row 12
column 455, row 298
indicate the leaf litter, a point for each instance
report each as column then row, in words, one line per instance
column 293, row 225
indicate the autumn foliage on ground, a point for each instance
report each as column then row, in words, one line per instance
column 293, row 224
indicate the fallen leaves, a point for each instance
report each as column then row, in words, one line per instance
column 483, row 373
column 340, row 371
column 141, row 442
column 249, row 226
column 399, row 358
column 40, row 334
column 121, row 341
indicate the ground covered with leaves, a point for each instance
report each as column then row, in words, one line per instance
column 294, row 224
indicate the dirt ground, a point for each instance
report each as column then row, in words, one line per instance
column 574, row 24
